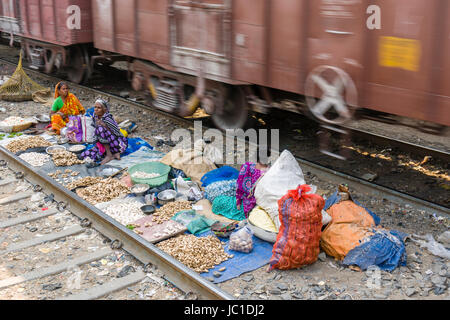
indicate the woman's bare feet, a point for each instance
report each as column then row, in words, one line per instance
column 107, row 159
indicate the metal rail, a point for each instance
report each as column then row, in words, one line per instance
column 402, row 145
column 373, row 188
column 177, row 273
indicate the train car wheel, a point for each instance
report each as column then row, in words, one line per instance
column 234, row 114
column 339, row 95
column 78, row 65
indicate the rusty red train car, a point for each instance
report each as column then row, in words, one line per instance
column 58, row 35
column 322, row 57
column 9, row 17
column 238, row 55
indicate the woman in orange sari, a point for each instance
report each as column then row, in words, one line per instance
column 65, row 105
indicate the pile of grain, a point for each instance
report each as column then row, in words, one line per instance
column 126, row 211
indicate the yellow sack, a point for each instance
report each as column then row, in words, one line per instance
column 261, row 219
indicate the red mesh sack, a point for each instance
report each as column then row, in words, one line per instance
column 299, row 236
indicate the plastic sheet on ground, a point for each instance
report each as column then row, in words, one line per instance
column 241, row 262
column 433, row 246
column 144, row 154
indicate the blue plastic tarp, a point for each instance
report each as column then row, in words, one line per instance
column 134, row 144
column 385, row 249
column 241, row 262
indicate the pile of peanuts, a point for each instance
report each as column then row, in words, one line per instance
column 83, row 182
column 66, row 159
column 167, row 211
column 199, row 254
column 103, row 191
column 27, row 143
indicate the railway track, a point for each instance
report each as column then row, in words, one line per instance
column 183, row 278
column 121, row 237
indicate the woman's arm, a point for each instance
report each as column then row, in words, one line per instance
column 79, row 105
column 57, row 105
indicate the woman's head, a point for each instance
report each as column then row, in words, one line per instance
column 61, row 89
column 100, row 107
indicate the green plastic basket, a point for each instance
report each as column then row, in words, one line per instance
column 151, row 167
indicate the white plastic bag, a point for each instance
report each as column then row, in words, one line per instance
column 433, row 246
column 87, row 124
column 326, row 218
column 187, row 189
column 241, row 240
column 444, row 238
column 284, row 175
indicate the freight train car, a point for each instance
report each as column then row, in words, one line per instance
column 57, row 35
column 326, row 58
column 9, row 18
column 233, row 56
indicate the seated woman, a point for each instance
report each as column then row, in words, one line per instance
column 249, row 176
column 111, row 143
column 65, row 105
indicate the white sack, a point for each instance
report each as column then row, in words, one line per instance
column 87, row 124
column 284, row 175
